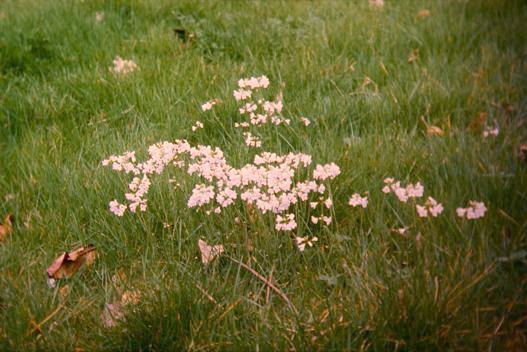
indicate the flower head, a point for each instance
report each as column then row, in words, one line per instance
column 197, row 126
column 430, row 208
column 122, row 66
column 475, row 210
column 285, row 223
column 209, row 104
column 301, row 242
column 327, row 171
column 305, row 121
column 356, row 200
column 117, row 208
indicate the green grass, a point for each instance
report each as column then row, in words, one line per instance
column 443, row 288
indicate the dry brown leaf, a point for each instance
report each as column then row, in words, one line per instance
column 112, row 314
column 379, row 4
column 130, row 297
column 209, row 253
column 424, row 13
column 6, row 227
column 432, row 130
column 67, row 264
column 414, row 56
column 478, row 121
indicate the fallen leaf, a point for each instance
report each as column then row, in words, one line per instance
column 379, row 4
column 67, row 264
column 414, row 56
column 432, row 130
column 209, row 253
column 130, row 297
column 424, row 13
column 6, row 227
column 112, row 314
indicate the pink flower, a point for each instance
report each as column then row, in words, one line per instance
column 263, row 82
column 248, row 108
column 272, row 107
column 197, row 126
column 241, row 125
column 251, row 140
column 241, row 94
column 490, row 132
column 400, row 193
column 461, row 212
column 431, row 207
column 305, row 121
column 285, row 223
column 389, row 185
column 254, row 82
column 301, row 242
column 403, row 193
column 327, row 171
column 201, row 194
column 356, row 200
column 122, row 66
column 208, row 105
column 117, row 208
column 475, row 210
column 415, row 191
column 328, row 203
column 326, row 219
column 401, row 230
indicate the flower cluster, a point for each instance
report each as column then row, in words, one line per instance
column 123, row 66
column 125, row 162
column 209, row 104
column 251, row 140
column 430, row 208
column 475, row 210
column 254, row 82
column 490, row 131
column 286, row 222
column 403, row 193
column 324, row 172
column 356, row 200
column 270, row 183
column 117, row 208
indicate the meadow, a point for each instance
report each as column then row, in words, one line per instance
column 427, row 93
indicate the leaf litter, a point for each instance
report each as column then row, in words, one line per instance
column 68, row 263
